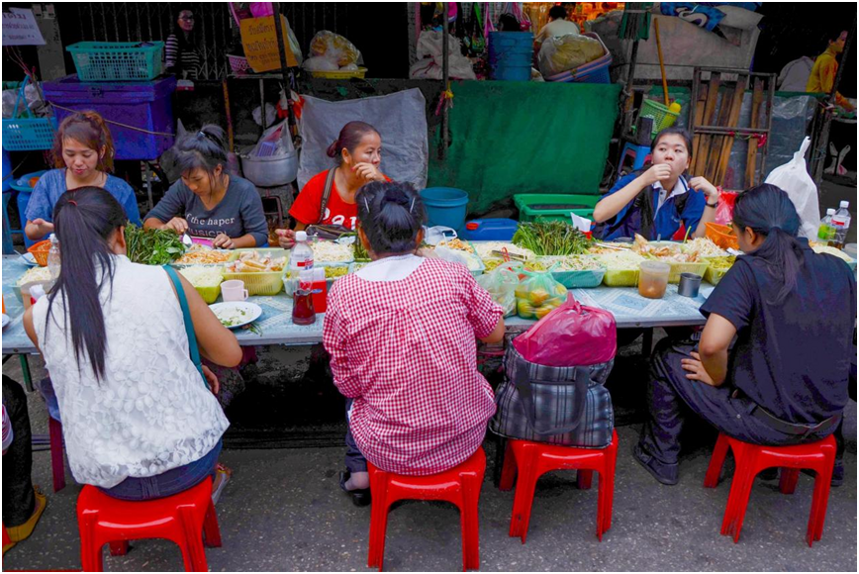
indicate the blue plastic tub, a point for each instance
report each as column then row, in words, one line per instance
column 445, row 206
column 510, row 55
column 144, row 106
column 496, row 229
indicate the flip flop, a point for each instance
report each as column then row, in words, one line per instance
column 360, row 497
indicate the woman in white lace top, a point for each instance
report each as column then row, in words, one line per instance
column 139, row 420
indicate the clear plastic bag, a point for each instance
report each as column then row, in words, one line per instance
column 501, row 284
column 538, row 295
column 568, row 52
column 334, row 47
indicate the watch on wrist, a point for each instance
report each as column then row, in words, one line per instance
column 713, row 205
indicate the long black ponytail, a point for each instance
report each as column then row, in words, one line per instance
column 83, row 220
column 768, row 211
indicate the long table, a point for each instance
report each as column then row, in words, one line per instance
column 275, row 326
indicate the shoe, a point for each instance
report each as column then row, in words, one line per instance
column 222, row 477
column 360, row 497
column 837, row 474
column 768, row 473
column 22, row 532
column 666, row 474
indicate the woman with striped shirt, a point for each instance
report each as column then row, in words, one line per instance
column 181, row 55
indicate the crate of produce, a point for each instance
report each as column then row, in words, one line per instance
column 139, row 114
column 717, row 267
column 117, row 61
column 575, row 271
column 206, row 279
column 554, row 206
column 261, row 270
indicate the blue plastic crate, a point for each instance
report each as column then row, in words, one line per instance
column 117, row 61
column 28, row 134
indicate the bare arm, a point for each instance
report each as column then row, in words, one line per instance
column 497, row 334
column 713, row 348
column 711, row 194
column 30, row 328
column 38, row 228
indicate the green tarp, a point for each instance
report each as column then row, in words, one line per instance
column 525, row 137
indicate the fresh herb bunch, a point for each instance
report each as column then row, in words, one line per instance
column 551, row 238
column 152, row 246
column 360, row 253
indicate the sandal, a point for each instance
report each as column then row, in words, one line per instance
column 360, row 497
column 222, row 477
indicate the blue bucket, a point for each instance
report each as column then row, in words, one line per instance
column 445, row 206
column 510, row 55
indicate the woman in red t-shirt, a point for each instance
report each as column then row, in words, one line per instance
column 359, row 148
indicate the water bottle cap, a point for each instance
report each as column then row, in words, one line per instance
column 301, row 236
column 830, row 211
column 844, row 204
column 52, row 238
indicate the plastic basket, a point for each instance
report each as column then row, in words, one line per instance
column 239, row 65
column 339, row 74
column 621, row 277
column 677, row 268
column 27, row 134
column 40, row 252
column 660, row 114
column 713, row 275
column 117, row 61
column 722, row 236
column 266, row 283
column 554, row 206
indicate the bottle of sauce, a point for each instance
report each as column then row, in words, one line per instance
column 303, row 312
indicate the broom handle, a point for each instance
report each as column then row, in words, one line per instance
column 661, row 62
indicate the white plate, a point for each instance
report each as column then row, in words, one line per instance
column 29, row 259
column 247, row 312
column 6, row 320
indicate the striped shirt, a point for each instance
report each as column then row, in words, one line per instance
column 184, row 63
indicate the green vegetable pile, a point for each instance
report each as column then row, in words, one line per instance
column 360, row 253
column 153, row 246
column 551, row 238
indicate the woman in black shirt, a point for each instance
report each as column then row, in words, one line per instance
column 784, row 381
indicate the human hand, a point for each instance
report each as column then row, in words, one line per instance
column 695, row 369
column 177, row 224
column 212, row 379
column 286, row 238
column 222, row 241
column 658, row 172
column 708, row 189
column 368, row 172
column 45, row 227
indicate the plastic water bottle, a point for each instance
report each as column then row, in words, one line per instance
column 841, row 223
column 301, row 256
column 826, row 232
column 54, row 257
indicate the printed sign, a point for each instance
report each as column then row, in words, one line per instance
column 21, row 29
column 260, row 42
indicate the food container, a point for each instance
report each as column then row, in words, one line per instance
column 722, row 235
column 40, row 252
column 653, row 280
column 677, row 269
column 715, row 269
column 621, row 277
column 270, row 171
column 263, row 283
column 689, row 285
column 581, row 279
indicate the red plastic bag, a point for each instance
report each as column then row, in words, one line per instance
column 572, row 335
column 725, row 211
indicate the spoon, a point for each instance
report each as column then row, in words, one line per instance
column 186, row 241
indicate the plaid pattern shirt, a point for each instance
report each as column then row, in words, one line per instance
column 406, row 352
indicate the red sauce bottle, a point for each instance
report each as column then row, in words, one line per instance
column 302, row 300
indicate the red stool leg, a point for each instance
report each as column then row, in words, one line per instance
column 470, row 522
column 788, row 479
column 508, row 470
column 378, row 518
column 741, row 488
column 716, row 462
column 91, row 559
column 58, row 467
column 192, row 543
column 211, row 530
column 584, row 479
column 119, row 548
column 606, row 488
column 820, row 501
column 524, row 493
column 6, row 539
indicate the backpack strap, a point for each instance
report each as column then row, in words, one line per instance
column 326, row 193
column 189, row 323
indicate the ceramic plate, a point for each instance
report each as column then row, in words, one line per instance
column 236, row 314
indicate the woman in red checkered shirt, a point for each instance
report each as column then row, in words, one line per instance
column 402, row 336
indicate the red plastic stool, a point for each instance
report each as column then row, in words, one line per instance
column 6, row 539
column 459, row 485
column 182, row 518
column 58, row 465
column 752, row 459
column 533, row 459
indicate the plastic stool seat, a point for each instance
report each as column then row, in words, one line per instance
column 533, row 459
column 640, row 155
column 751, row 459
column 460, row 485
column 182, row 518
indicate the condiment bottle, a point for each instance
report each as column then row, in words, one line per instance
column 302, row 299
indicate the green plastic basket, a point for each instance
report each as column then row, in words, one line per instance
column 549, row 206
column 117, row 61
column 660, row 114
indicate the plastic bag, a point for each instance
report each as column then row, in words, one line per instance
column 429, row 65
column 568, row 52
column 725, row 211
column 538, row 295
column 334, row 47
column 274, row 142
column 793, row 178
column 571, row 335
column 501, row 283
column 454, row 256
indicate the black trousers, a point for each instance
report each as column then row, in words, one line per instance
column 19, row 502
column 355, row 461
column 729, row 412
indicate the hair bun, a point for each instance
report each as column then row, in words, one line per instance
column 395, row 195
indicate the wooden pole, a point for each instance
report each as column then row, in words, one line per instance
column 703, row 150
column 284, row 66
column 230, row 134
column 445, row 69
column 661, row 62
column 752, row 154
column 733, row 121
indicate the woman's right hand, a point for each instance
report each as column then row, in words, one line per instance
column 658, row 172
column 43, row 226
column 177, row 224
column 286, row 238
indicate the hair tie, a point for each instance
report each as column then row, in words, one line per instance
column 200, row 135
column 73, row 202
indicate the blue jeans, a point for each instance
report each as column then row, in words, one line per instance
column 167, row 483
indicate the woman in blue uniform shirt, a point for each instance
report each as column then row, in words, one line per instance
column 655, row 201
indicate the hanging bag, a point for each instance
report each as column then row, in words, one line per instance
column 193, row 349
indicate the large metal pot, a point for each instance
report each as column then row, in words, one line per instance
column 270, row 171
